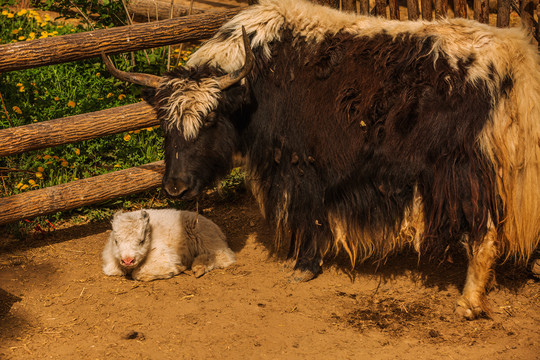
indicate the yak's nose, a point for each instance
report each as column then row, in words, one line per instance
column 128, row 261
column 175, row 187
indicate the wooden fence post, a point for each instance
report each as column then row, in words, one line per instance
column 412, row 7
column 503, row 13
column 427, row 10
column 481, row 11
column 440, row 8
column 364, row 7
column 393, row 6
column 460, row 8
column 380, row 6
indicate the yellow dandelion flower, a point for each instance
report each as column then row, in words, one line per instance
column 130, row 132
column 24, row 187
column 136, row 131
column 44, row 33
column 10, row 15
column 39, row 174
column 19, row 84
column 19, row 185
column 98, row 74
column 110, row 95
column 75, row 178
column 127, row 137
column 54, row 33
column 77, row 152
column 121, row 97
column 5, row 12
column 59, row 26
column 31, row 182
column 64, row 163
column 55, row 157
column 31, row 36
column 21, row 89
column 40, row 170
column 46, row 157
column 56, row 98
column 49, row 162
column 117, row 166
column 150, row 129
column 15, row 31
column 35, row 120
column 71, row 104
column 34, row 185
column 38, row 18
column 22, row 12
column 21, row 38
column 17, row 109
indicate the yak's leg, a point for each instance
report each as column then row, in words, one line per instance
column 308, row 261
column 480, row 271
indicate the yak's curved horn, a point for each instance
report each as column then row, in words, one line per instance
column 228, row 80
column 148, row 80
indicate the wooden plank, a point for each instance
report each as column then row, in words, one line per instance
column 412, row 9
column 81, row 192
column 72, row 47
column 364, row 7
column 160, row 9
column 460, row 8
column 427, row 9
column 481, row 11
column 441, row 7
column 503, row 13
column 380, row 6
column 393, row 6
column 76, row 128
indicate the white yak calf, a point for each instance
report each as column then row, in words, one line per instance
column 159, row 244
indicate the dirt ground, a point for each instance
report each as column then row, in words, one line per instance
column 56, row 303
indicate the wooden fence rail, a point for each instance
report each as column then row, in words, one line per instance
column 72, row 47
column 81, row 192
column 76, row 128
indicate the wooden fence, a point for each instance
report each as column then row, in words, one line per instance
column 22, row 55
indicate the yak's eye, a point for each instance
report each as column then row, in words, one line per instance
column 210, row 120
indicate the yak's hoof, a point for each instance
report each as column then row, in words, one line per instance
column 302, row 276
column 465, row 310
column 306, row 270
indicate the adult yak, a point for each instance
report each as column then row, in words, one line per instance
column 364, row 134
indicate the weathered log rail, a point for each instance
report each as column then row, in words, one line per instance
column 77, row 128
column 81, row 192
column 79, row 46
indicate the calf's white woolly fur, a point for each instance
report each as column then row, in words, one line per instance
column 159, row 244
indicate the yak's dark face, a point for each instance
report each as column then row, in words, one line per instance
column 194, row 164
column 198, row 109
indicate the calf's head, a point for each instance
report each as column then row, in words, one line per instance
column 195, row 107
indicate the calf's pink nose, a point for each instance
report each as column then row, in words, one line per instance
column 128, row 261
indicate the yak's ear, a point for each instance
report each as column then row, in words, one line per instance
column 145, row 217
column 149, row 95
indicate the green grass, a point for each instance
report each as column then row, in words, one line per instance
column 55, row 91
